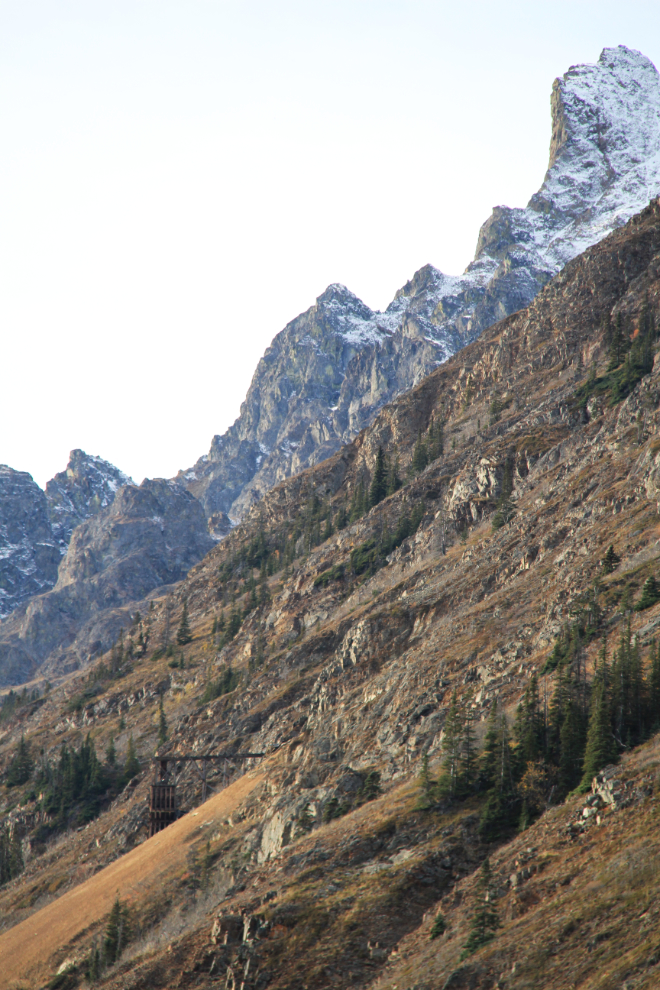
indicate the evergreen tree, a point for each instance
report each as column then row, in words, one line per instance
column 132, row 764
column 111, row 753
column 117, row 932
column 439, row 926
column 505, row 507
column 16, row 854
column 358, row 502
column 420, row 457
column 529, row 729
column 650, row 595
column 341, row 519
column 610, row 560
column 488, row 761
column 305, row 821
column 654, row 687
column 426, row 785
column 378, row 489
column 449, row 782
column 162, row 723
column 393, row 480
column 600, row 749
column 21, row 766
column 94, row 964
column 502, row 807
column 469, row 769
column 184, row 635
column 485, row 921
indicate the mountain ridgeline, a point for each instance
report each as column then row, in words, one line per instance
column 443, row 640
column 328, row 373
column 331, row 369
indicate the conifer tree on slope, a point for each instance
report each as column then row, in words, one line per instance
column 449, row 782
column 184, row 634
column 485, row 921
column 378, row 488
column 601, row 748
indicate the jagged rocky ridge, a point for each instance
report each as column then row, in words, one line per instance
column 357, row 673
column 329, row 371
column 36, row 526
column 149, row 536
column 88, row 485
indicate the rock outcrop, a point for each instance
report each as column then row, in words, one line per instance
column 88, row 485
column 29, row 553
column 148, row 537
column 326, row 375
column 36, row 526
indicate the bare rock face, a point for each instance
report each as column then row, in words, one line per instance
column 29, row 554
column 88, row 485
column 148, row 537
column 326, row 375
column 35, row 527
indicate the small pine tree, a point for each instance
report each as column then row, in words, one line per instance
column 449, row 782
column 378, row 488
column 184, row 635
column 439, row 926
column 426, row 785
column 485, row 921
column 117, row 932
column 132, row 764
column 601, row 748
column 305, row 821
column 610, row 560
column 650, row 595
column 94, row 963
column 21, row 766
column 420, row 457
column 393, row 480
column 162, row 723
column 111, row 753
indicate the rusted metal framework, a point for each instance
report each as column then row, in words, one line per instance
column 162, row 799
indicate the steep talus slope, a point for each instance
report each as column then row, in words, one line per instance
column 148, row 537
column 329, row 371
column 345, row 663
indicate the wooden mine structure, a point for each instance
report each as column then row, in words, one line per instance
column 162, row 798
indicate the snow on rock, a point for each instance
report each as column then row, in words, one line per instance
column 344, row 357
column 87, row 485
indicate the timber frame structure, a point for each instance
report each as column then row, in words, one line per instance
column 163, row 809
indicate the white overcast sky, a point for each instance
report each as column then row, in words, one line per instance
column 178, row 180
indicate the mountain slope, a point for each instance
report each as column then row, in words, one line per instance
column 329, row 371
column 343, row 667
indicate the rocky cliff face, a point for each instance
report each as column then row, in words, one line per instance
column 329, row 371
column 88, row 485
column 148, row 537
column 35, row 527
column 29, row 553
